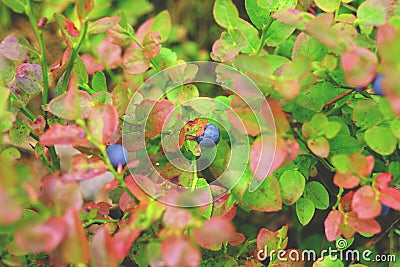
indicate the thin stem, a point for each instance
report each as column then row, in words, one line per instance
column 74, row 55
column 24, row 110
column 93, row 221
column 338, row 197
column 54, row 157
column 34, row 136
column 263, row 36
column 244, row 247
column 43, row 54
column 350, row 7
column 195, row 176
column 338, row 97
column 136, row 40
column 103, row 151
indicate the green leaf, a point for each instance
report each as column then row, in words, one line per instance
column 162, row 24
column 10, row 153
column 395, row 127
column 7, row 69
column 327, row 261
column 318, row 194
column 373, row 12
column 166, row 58
column 18, row 6
column 183, row 93
column 259, row 17
column 381, row 139
column 332, row 129
column 202, row 183
column 225, row 13
column 343, row 144
column 99, row 83
column 18, row 134
column 366, row 113
column 328, row 5
column 273, row 5
column 292, row 185
column 251, row 34
column 305, row 210
column 277, row 33
column 266, row 198
column 79, row 70
column 305, row 45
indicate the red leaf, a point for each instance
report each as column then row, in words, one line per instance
column 359, row 66
column 41, row 237
column 74, row 248
column 390, row 197
column 365, row 204
column 126, row 203
column 110, row 54
column 279, row 117
column 370, row 226
column 71, row 29
column 103, row 251
column 267, row 238
column 123, row 241
column 176, row 218
column 12, row 210
column 137, row 190
column 236, row 239
column 84, row 7
column 64, row 135
column 331, row 224
column 263, row 152
column 103, row 122
column 362, row 164
column 346, row 201
column 214, row 231
column 143, row 30
column 103, row 24
column 177, row 251
column 91, row 64
column 158, row 116
column 241, row 115
column 37, row 126
column 346, row 180
column 84, row 167
column 383, row 180
column 60, row 193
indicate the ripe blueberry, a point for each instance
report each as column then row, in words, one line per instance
column 377, row 84
column 210, row 136
column 117, row 155
column 385, row 210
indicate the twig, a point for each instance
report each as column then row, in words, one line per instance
column 338, row 98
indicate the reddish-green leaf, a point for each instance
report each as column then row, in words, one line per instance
column 84, row 167
column 64, row 135
column 214, row 231
column 134, row 61
column 177, row 251
column 13, row 211
column 110, row 54
column 103, row 122
column 369, row 226
column 266, row 198
column 331, row 224
column 102, row 249
column 75, row 104
column 359, row 66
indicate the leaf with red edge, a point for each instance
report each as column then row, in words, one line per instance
column 331, row 224
column 91, row 64
column 13, row 210
column 390, row 197
column 64, row 135
column 103, row 24
column 370, row 226
column 123, row 240
column 359, row 66
column 134, row 61
column 263, row 151
column 38, row 237
column 84, row 167
column 246, row 117
column 383, row 180
column 84, row 7
column 346, row 180
column 12, row 49
column 75, row 104
column 279, row 116
column 365, row 204
column 267, row 238
column 319, row 146
column 213, row 231
column 158, row 116
column 102, row 249
column 177, row 251
column 293, row 17
column 110, row 54
column 103, row 122
column 363, row 165
column 74, row 248
column 345, row 201
column 267, row 197
column 38, row 125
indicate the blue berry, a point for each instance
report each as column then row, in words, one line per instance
column 210, row 136
column 117, row 155
column 377, row 84
column 385, row 210
column 359, row 89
